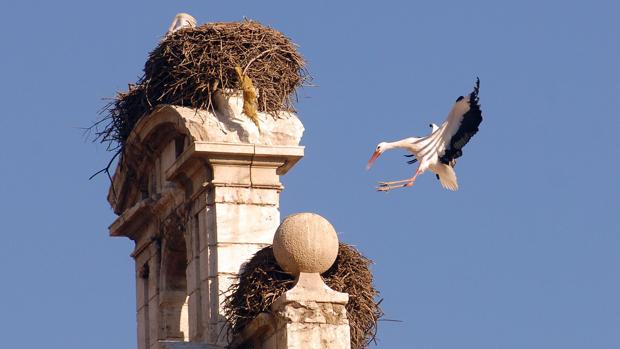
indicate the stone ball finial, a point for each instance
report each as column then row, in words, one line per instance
column 305, row 242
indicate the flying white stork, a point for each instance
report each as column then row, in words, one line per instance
column 439, row 150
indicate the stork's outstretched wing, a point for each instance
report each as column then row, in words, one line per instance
column 461, row 125
column 447, row 141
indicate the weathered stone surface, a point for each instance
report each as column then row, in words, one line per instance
column 314, row 336
column 314, row 312
column 141, row 292
column 218, row 287
column 205, row 308
column 282, row 129
column 184, row 321
column 232, row 175
column 154, row 326
column 245, row 224
column 228, row 258
column 305, row 242
column 255, row 196
column 312, row 325
column 228, row 125
column 194, row 311
column 143, row 331
column 173, row 319
column 192, row 275
column 310, row 287
column 223, row 178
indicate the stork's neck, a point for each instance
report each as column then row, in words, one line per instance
column 407, row 143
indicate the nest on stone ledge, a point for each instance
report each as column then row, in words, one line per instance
column 262, row 281
column 189, row 65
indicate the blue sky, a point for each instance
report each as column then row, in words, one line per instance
column 525, row 254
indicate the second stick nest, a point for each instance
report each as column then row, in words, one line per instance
column 262, row 281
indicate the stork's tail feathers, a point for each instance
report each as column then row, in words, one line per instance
column 447, row 177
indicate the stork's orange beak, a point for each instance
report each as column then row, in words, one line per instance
column 374, row 157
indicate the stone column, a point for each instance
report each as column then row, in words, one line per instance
column 236, row 212
column 199, row 197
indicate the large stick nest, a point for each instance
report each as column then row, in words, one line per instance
column 189, row 65
column 262, row 281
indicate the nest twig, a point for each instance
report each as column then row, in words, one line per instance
column 189, row 65
column 262, row 281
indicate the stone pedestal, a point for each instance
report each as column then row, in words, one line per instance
column 310, row 315
column 306, row 322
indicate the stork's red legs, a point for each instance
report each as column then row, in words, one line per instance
column 385, row 186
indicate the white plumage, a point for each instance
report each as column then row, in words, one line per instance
column 181, row 20
column 439, row 150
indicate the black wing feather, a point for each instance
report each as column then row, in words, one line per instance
column 412, row 161
column 468, row 128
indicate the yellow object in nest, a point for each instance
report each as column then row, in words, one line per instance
column 250, row 101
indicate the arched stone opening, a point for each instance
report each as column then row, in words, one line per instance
column 173, row 282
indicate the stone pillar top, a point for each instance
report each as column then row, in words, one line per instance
column 305, row 243
column 159, row 140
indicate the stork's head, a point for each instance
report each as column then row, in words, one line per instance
column 381, row 147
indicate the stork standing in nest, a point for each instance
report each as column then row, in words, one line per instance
column 181, row 20
column 439, row 150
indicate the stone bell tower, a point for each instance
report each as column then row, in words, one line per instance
column 198, row 193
